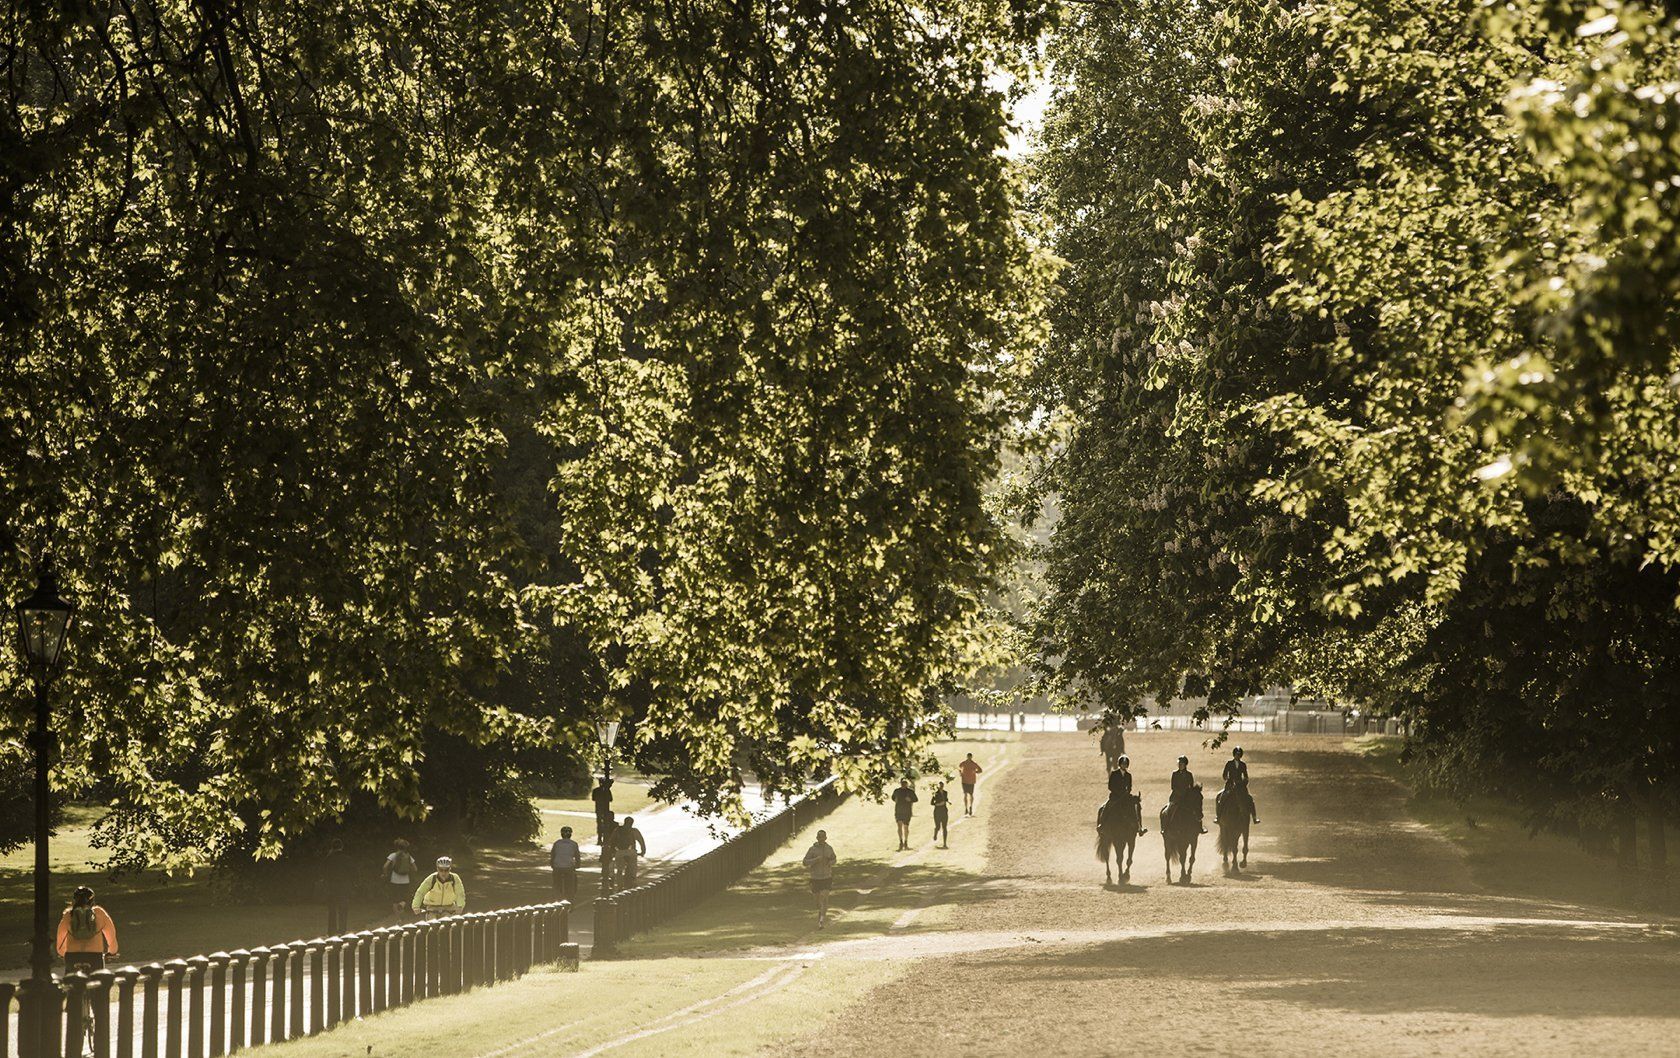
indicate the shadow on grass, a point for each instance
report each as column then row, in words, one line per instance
column 774, row 905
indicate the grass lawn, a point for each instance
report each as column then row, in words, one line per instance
column 1505, row 858
column 683, row 977
column 550, row 1013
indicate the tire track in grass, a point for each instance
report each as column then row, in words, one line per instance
column 767, row 983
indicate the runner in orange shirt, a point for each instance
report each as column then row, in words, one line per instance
column 970, row 771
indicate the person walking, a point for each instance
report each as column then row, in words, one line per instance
column 86, row 934
column 628, row 844
column 442, row 893
column 602, row 796
column 564, row 859
column 903, row 798
column 338, row 882
column 607, row 850
column 819, row 860
column 941, row 802
column 399, row 877
column 969, row 771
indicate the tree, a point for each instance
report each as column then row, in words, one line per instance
column 390, row 378
column 1380, row 406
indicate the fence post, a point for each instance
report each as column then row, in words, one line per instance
column 125, row 1011
column 347, row 978
column 410, row 984
column 460, row 940
column 277, row 998
column 329, row 971
column 197, row 971
column 75, row 1029
column 606, row 928
column 364, row 973
column 259, row 996
column 218, row 1003
column 379, row 939
column 100, row 985
column 237, row 1022
column 148, row 1026
column 175, row 972
column 300, row 956
column 317, row 986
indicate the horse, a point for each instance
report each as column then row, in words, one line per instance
column 1232, row 814
column 1180, row 830
column 1117, row 827
column 1113, row 744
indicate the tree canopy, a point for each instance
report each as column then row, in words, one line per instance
column 383, row 378
column 1367, row 354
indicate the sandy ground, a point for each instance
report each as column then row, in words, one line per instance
column 1355, row 931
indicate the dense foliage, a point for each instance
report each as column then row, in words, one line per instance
column 1367, row 348
column 390, row 378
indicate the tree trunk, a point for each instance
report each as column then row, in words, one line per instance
column 1627, row 837
column 1654, row 835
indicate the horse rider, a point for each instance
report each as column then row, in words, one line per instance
column 1236, row 775
column 1182, row 783
column 1120, row 785
column 1113, row 742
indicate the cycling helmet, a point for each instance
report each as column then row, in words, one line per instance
column 1125, row 759
column 1183, row 760
column 1237, row 752
column 82, row 897
column 445, row 861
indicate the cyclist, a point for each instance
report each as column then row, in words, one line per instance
column 86, row 934
column 442, row 893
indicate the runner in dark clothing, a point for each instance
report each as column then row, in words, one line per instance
column 941, row 802
column 602, row 796
column 903, row 798
column 338, row 882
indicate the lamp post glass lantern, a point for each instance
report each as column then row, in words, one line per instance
column 43, row 624
column 607, row 732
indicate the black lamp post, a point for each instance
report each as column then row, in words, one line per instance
column 43, row 621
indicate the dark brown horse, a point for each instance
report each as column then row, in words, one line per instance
column 1232, row 810
column 1181, row 826
column 1118, row 820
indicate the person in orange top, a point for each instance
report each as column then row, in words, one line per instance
column 86, row 934
column 970, row 771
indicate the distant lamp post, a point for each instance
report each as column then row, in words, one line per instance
column 43, row 621
column 607, row 731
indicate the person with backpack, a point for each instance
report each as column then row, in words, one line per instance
column 564, row 858
column 399, row 877
column 86, row 934
column 442, row 893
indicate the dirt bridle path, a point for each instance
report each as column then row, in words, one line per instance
column 1355, row 931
